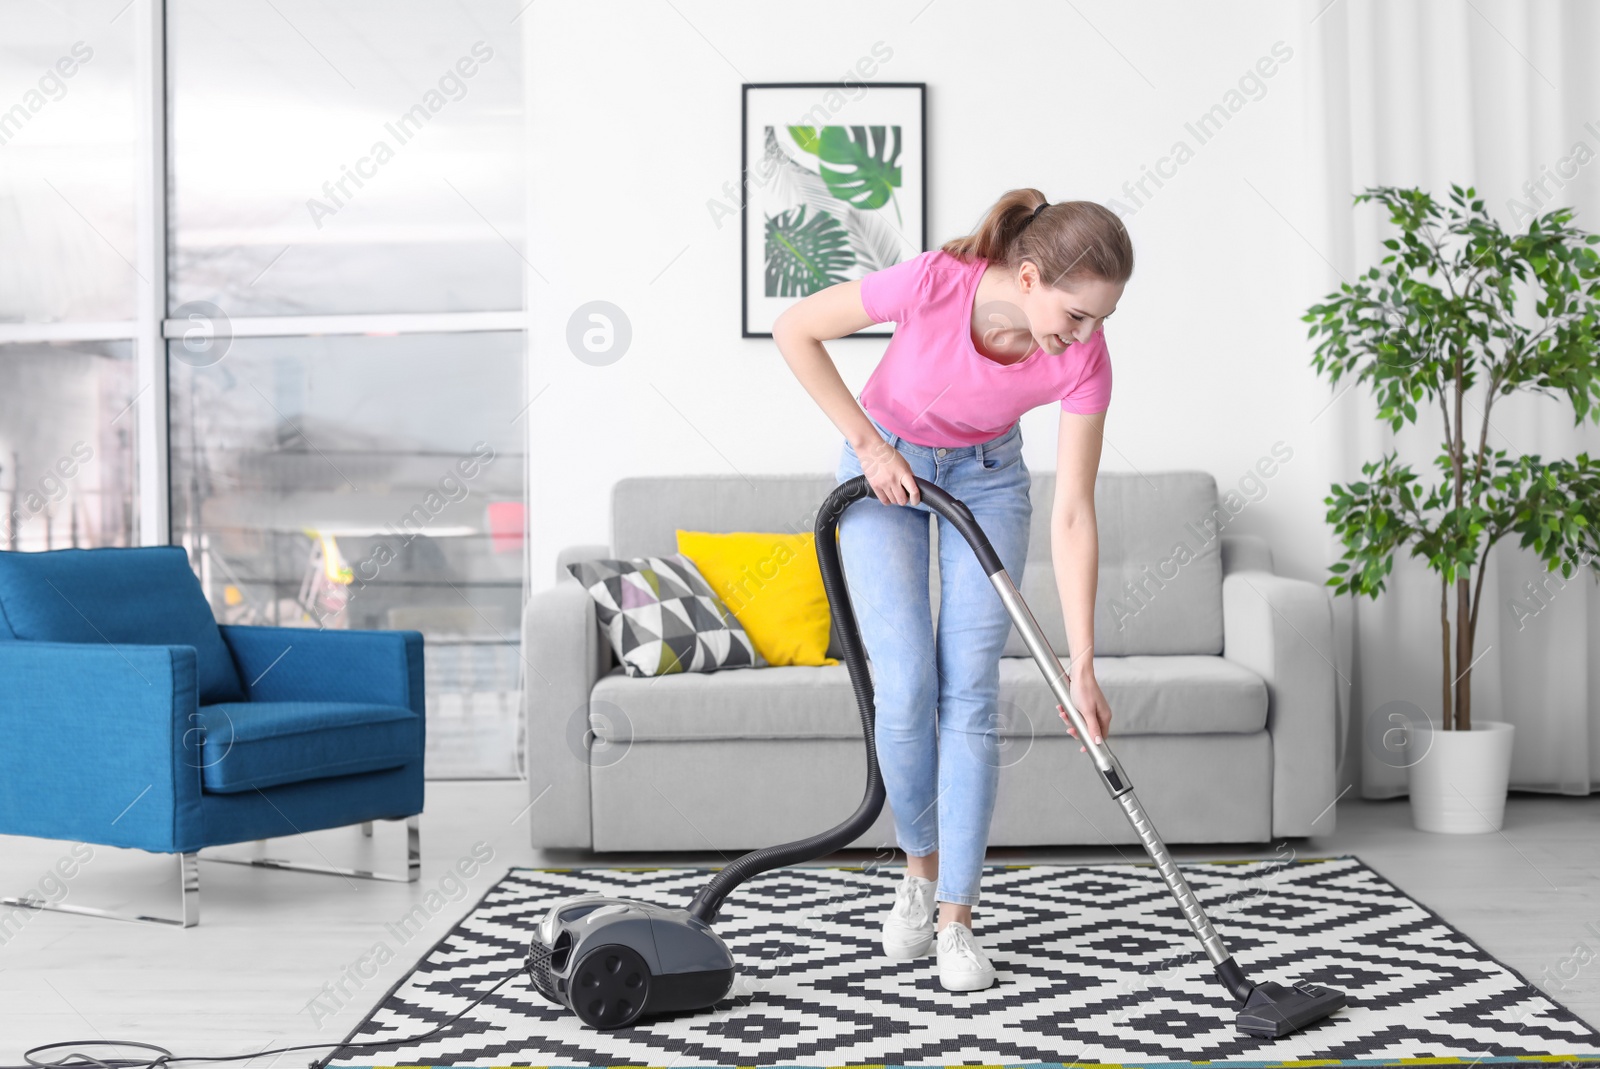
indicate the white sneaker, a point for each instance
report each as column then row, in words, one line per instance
column 908, row 930
column 963, row 966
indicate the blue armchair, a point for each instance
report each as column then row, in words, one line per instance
column 130, row 718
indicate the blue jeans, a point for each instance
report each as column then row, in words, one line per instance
column 940, row 774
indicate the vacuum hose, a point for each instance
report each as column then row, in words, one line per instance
column 708, row 900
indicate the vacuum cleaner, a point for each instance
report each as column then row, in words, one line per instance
column 612, row 960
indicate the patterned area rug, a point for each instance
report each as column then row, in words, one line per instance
column 1096, row 966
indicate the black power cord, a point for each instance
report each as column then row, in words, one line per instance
column 165, row 1057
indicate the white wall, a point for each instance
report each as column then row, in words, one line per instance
column 636, row 127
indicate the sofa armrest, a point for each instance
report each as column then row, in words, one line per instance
column 279, row 664
column 565, row 654
column 1282, row 629
column 605, row 660
column 1245, row 553
column 101, row 744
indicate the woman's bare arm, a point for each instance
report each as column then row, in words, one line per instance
column 799, row 333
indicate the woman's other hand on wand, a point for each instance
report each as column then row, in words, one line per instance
column 1091, row 704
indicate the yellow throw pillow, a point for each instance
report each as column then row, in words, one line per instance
column 773, row 585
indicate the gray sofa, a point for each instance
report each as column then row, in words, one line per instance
column 1219, row 674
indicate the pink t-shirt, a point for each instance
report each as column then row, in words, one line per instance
column 933, row 387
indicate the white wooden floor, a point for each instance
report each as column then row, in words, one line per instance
column 271, row 962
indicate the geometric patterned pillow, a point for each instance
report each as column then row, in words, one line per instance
column 663, row 617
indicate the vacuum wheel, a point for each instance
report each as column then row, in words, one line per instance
column 609, row 986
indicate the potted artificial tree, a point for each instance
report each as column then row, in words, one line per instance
column 1440, row 325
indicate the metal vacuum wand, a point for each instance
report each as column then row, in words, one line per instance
column 1267, row 1008
column 1116, row 780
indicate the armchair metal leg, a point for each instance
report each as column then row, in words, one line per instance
column 188, row 900
column 412, row 873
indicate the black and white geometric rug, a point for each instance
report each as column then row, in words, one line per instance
column 1096, row 966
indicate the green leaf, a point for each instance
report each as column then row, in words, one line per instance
column 806, row 138
column 803, row 257
column 865, row 161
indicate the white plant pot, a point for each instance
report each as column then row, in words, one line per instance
column 1459, row 785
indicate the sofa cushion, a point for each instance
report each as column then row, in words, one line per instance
column 1176, row 694
column 1168, row 695
column 1159, row 589
column 1160, row 563
column 264, row 744
column 140, row 595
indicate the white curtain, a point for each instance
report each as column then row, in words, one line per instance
column 1502, row 96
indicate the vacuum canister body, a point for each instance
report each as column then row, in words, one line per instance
column 612, row 960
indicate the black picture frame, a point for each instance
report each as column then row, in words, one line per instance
column 876, row 330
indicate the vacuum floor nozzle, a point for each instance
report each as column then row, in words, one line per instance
column 1274, row 1009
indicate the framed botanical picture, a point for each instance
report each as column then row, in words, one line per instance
column 834, row 187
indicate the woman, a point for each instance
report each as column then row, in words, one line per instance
column 989, row 326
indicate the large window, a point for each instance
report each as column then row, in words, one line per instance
column 261, row 296
column 349, row 157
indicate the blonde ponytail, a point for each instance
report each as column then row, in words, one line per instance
column 1068, row 241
